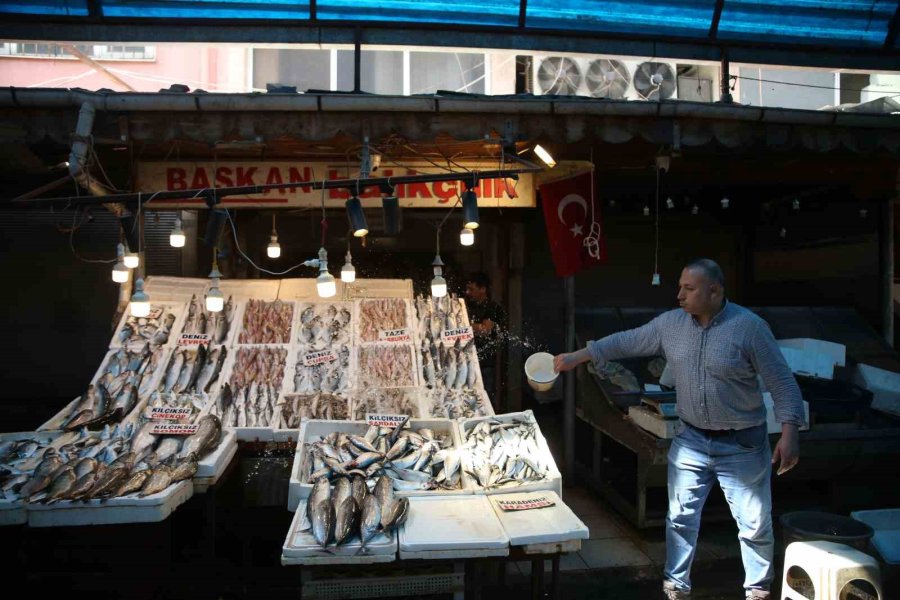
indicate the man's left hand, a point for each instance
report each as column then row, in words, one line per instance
column 787, row 451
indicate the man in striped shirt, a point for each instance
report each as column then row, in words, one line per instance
column 715, row 350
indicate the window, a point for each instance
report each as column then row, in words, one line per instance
column 98, row 52
column 448, row 71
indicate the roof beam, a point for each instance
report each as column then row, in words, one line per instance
column 523, row 13
column 893, row 27
column 424, row 34
column 717, row 14
column 95, row 9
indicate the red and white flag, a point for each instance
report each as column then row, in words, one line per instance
column 573, row 224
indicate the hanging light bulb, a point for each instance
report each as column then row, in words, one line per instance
column 612, row 203
column 140, row 301
column 176, row 237
column 273, row 250
column 795, row 204
column 863, row 213
column 131, row 259
column 466, row 237
column 695, row 210
column 646, row 211
column 670, row 204
column 655, row 281
column 783, row 233
column 215, row 299
column 470, row 207
column 120, row 272
column 325, row 284
column 725, row 202
column 357, row 217
column 438, row 284
column 545, row 156
column 348, row 271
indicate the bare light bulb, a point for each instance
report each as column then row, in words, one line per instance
column 545, row 156
column 140, row 301
column 176, row 237
column 348, row 271
column 795, row 204
column 120, row 272
column 646, row 211
column 215, row 300
column 131, row 260
column 725, row 202
column 783, row 232
column 655, row 280
column 670, row 204
column 466, row 237
column 326, row 285
column 273, row 250
column 438, row 286
column 695, row 210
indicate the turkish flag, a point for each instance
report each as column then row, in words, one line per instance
column 573, row 224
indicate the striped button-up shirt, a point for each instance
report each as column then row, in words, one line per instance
column 715, row 367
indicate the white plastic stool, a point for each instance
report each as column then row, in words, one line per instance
column 823, row 570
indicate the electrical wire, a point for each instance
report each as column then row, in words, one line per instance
column 240, row 251
column 809, row 85
column 72, row 244
column 656, row 234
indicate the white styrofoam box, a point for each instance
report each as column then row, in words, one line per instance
column 300, row 547
column 774, row 426
column 236, row 315
column 127, row 509
column 207, row 398
column 884, row 385
column 886, row 523
column 59, row 419
column 408, row 311
column 548, row 525
column 251, row 434
column 244, row 289
column 432, row 406
column 363, row 380
column 412, row 396
column 452, row 527
column 12, row 512
column 837, row 352
column 806, row 362
column 239, row 319
column 311, row 431
column 210, row 469
column 175, row 308
column 650, row 421
column 553, row 480
column 175, row 289
column 379, row 288
column 348, row 339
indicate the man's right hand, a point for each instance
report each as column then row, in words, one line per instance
column 569, row 360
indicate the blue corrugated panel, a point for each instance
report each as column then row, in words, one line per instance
column 643, row 17
column 455, row 12
column 74, row 8
column 845, row 22
column 207, row 9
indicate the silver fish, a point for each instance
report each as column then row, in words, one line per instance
column 370, row 519
column 358, row 484
column 186, row 469
column 346, row 520
column 323, row 520
column 342, row 490
column 321, row 492
column 134, row 482
column 205, row 439
column 395, row 514
column 159, row 480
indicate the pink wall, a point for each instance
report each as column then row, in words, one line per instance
column 197, row 66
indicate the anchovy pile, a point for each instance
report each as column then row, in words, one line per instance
column 302, row 407
column 267, row 322
column 119, row 462
column 413, row 460
column 504, row 454
column 455, row 404
column 251, row 397
column 140, row 330
column 325, row 325
column 385, row 366
column 127, row 377
column 396, row 401
column 381, row 314
column 194, row 369
column 331, row 377
column 350, row 511
column 216, row 324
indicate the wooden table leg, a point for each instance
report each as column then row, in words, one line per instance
column 537, row 579
column 554, row 581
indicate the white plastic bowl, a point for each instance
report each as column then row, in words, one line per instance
column 539, row 371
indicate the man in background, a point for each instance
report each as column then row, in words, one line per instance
column 488, row 321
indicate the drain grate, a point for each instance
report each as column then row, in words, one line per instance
column 384, row 587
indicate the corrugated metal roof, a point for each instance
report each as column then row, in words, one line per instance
column 851, row 24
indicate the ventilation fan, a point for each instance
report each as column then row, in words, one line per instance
column 654, row 81
column 606, row 78
column 559, row 75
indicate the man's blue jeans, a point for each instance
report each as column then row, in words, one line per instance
column 741, row 462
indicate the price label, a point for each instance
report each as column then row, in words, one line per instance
column 194, row 339
column 391, row 421
column 449, row 336
column 525, row 504
column 158, row 413
column 174, row 429
column 394, row 336
column 317, row 358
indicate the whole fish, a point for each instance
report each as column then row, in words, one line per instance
column 394, row 516
column 384, row 491
column 205, row 439
column 185, row 469
column 346, row 520
column 321, row 492
column 107, row 483
column 158, row 481
column 370, row 519
column 61, row 486
column 168, row 447
column 174, row 370
column 134, row 482
column 360, row 491
column 83, row 485
column 342, row 490
column 323, row 520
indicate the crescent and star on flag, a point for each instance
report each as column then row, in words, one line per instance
column 576, row 228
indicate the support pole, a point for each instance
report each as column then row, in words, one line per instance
column 569, row 413
column 887, row 270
